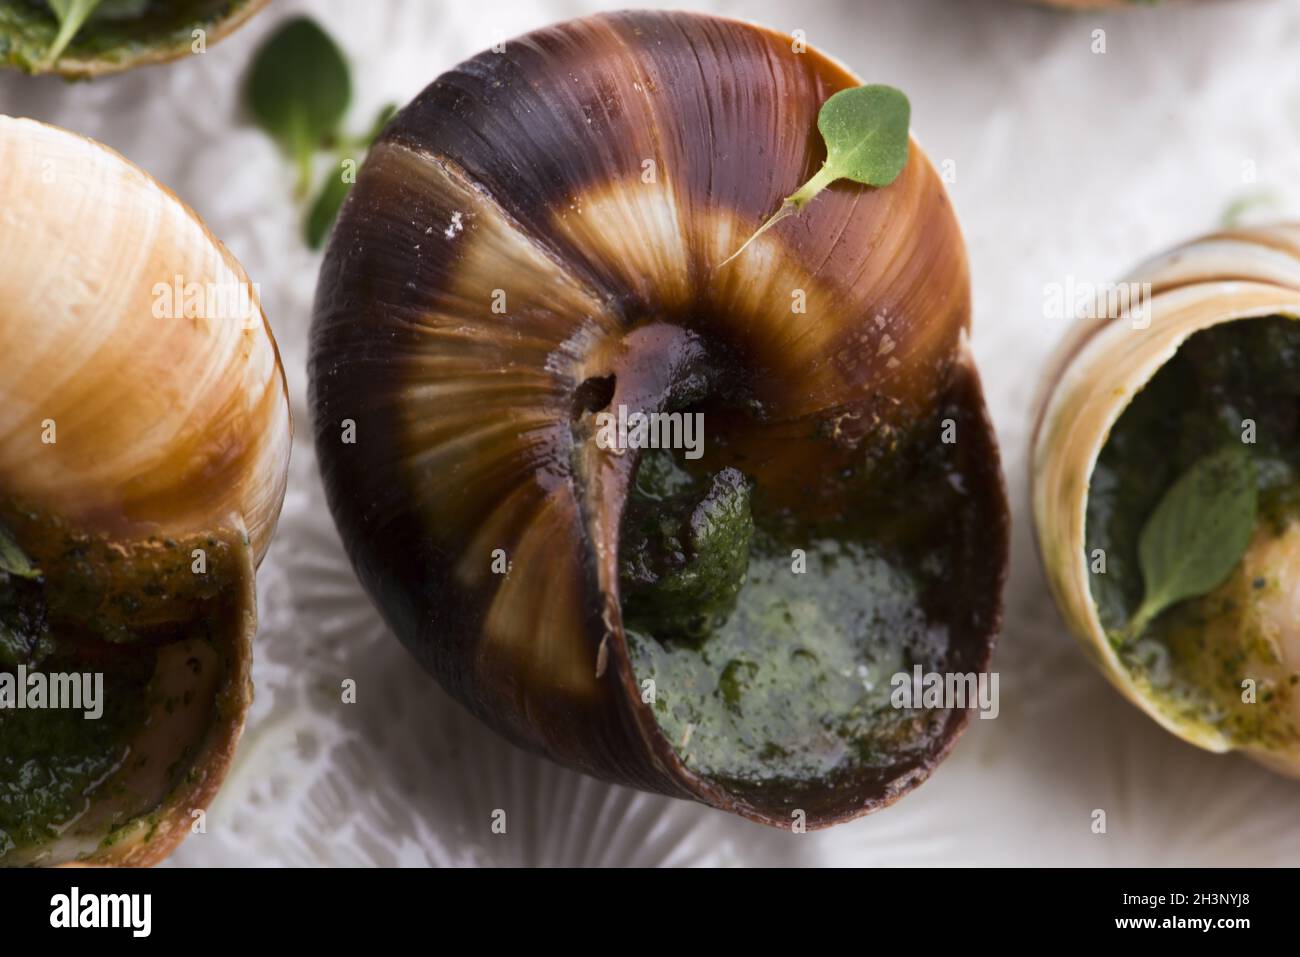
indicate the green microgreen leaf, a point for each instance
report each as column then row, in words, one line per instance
column 866, row 134
column 325, row 209
column 13, row 559
column 298, row 90
column 1197, row 534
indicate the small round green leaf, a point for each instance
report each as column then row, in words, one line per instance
column 1198, row 533
column 866, row 133
column 299, row 87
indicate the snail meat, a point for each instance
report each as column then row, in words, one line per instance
column 1190, row 401
column 143, row 461
column 533, row 250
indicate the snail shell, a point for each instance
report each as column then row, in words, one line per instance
column 1103, row 364
column 144, row 443
column 110, row 43
column 587, row 182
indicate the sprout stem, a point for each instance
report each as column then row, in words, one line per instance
column 806, row 193
column 304, row 164
column 787, row 210
column 1142, row 618
column 72, row 17
column 792, row 204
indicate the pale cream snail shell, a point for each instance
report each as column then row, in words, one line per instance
column 144, row 443
column 1216, row 330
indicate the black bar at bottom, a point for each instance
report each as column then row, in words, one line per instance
column 335, row 908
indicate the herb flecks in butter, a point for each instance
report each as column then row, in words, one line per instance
column 110, row 607
column 787, row 684
column 684, row 554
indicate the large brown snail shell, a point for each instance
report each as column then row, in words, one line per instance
column 144, row 443
column 589, row 178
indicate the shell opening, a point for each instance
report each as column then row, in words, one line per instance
column 122, row 666
column 594, row 395
column 772, row 600
column 1224, row 664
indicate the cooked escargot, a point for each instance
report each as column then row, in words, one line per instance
column 1166, row 461
column 144, row 442
column 87, row 38
column 530, row 261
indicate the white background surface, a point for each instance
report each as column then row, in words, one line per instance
column 1069, row 164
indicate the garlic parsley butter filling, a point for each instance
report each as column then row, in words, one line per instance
column 132, row 624
column 1201, row 475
